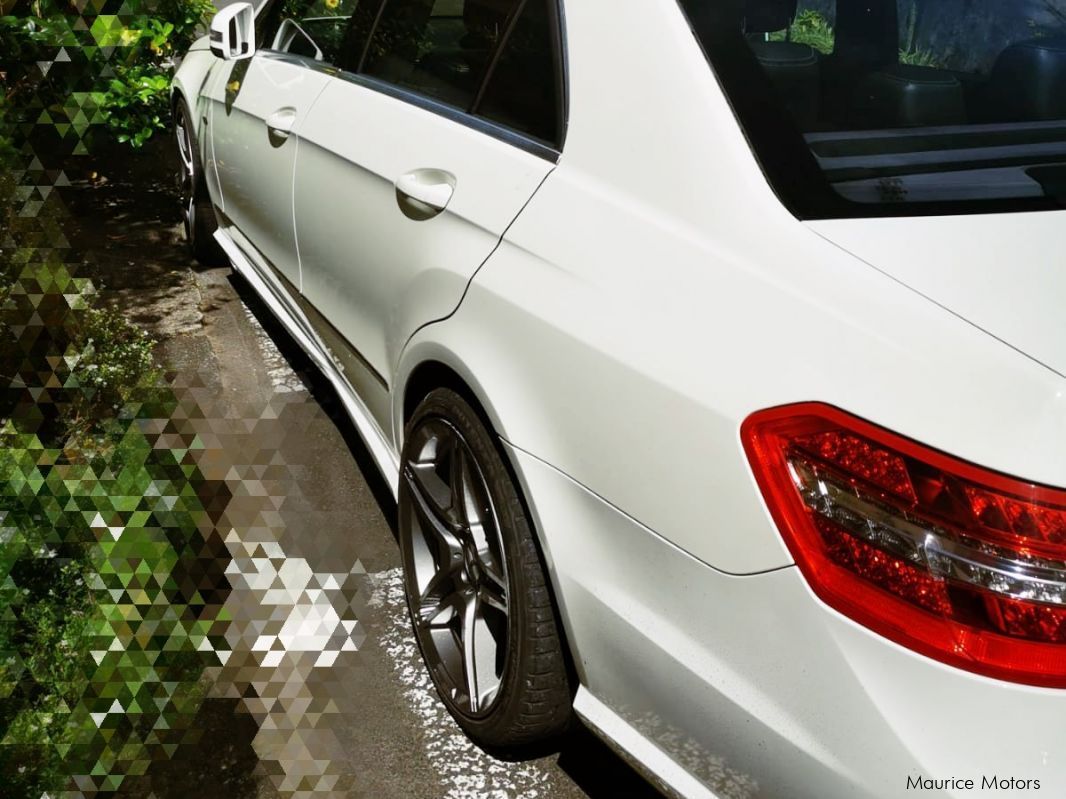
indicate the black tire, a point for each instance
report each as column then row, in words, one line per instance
column 198, row 215
column 533, row 701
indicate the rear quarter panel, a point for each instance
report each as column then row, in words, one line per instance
column 655, row 292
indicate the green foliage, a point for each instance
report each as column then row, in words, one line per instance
column 127, row 65
column 48, row 648
column 919, row 58
column 19, row 38
column 98, row 361
column 189, row 18
column 810, row 28
column 103, row 618
column 110, row 360
column 101, row 649
column 104, row 623
column 26, row 39
column 813, row 29
column 7, row 179
column 136, row 103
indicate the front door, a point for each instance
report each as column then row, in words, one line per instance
column 258, row 106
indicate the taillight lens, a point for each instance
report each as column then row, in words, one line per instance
column 962, row 564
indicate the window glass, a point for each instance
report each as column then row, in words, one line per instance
column 919, row 45
column 440, row 48
column 311, row 28
column 884, row 106
column 363, row 19
column 522, row 91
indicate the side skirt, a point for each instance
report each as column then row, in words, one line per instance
column 288, row 312
column 644, row 756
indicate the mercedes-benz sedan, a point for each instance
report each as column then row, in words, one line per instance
column 715, row 351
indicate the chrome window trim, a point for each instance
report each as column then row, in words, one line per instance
column 514, row 138
column 465, row 118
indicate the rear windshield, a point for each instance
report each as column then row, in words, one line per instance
column 873, row 107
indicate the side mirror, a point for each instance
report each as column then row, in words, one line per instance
column 233, row 32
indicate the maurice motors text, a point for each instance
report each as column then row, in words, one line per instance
column 985, row 783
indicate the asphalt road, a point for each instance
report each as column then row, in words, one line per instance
column 322, row 692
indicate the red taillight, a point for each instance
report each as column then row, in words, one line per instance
column 962, row 564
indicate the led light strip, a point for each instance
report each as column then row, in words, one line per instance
column 941, row 553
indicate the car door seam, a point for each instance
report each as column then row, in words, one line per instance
column 470, row 280
column 292, row 185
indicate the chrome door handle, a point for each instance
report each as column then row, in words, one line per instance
column 424, row 193
column 280, row 123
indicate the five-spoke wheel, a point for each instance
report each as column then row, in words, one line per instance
column 458, row 571
column 475, row 584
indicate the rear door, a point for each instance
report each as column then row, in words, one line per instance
column 416, row 159
column 258, row 105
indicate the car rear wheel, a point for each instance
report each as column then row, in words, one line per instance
column 476, row 587
column 197, row 215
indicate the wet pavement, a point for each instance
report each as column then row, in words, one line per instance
column 321, row 691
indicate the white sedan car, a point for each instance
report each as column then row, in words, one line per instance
column 714, row 349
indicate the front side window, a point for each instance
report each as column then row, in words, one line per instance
column 438, row 48
column 314, row 29
column 865, row 107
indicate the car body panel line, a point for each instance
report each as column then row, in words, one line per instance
column 292, row 185
column 638, row 522
column 823, row 231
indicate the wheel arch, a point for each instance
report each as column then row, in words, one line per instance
column 428, row 376
column 190, row 79
column 177, row 95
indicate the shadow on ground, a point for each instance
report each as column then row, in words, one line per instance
column 221, row 765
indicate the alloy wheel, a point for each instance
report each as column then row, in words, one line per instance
column 186, row 176
column 456, row 572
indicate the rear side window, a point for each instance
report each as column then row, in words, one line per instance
column 438, row 48
column 355, row 42
column 523, row 89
